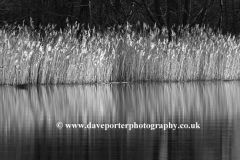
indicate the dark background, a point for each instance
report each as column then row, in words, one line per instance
column 217, row 14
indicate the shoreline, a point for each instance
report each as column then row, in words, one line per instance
column 23, row 86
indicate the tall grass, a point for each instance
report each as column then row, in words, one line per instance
column 28, row 57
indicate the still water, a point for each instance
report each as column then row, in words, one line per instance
column 28, row 120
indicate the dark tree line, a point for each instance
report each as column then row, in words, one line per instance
column 221, row 15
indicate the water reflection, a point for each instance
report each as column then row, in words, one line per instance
column 28, row 121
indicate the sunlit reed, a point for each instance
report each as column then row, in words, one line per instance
column 55, row 57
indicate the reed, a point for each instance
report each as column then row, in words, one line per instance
column 28, row 57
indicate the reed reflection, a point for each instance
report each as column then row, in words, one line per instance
column 28, row 121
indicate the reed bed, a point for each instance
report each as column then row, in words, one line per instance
column 62, row 57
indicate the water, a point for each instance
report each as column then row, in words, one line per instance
column 28, row 120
